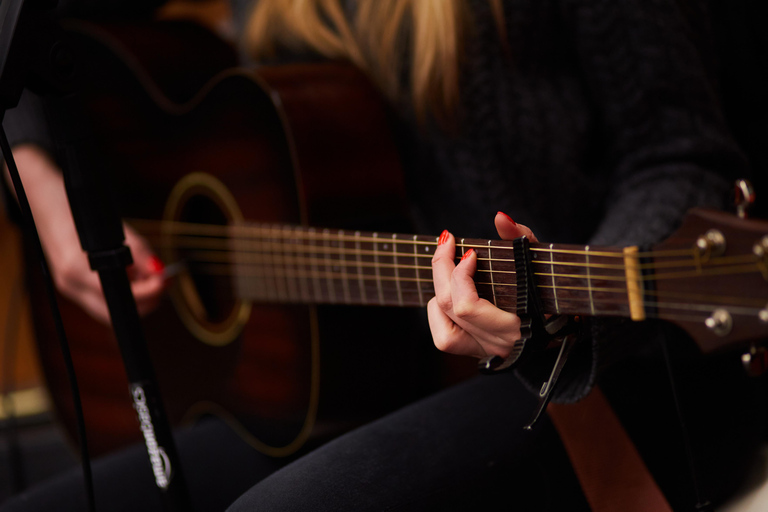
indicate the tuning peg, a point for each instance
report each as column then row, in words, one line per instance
column 744, row 197
column 755, row 361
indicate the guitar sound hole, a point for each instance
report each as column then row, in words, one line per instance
column 207, row 256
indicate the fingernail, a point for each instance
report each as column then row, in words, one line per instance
column 443, row 237
column 508, row 218
column 467, row 254
column 155, row 265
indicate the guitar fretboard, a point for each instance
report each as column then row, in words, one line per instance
column 290, row 264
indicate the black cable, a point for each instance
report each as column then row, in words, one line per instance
column 29, row 226
column 10, row 340
column 702, row 504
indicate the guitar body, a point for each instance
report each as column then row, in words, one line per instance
column 296, row 144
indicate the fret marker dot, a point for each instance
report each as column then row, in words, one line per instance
column 385, row 246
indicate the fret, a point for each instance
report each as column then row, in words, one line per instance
column 344, row 268
column 571, row 276
column 360, row 275
column 329, row 267
column 387, row 267
column 589, row 281
column 377, row 269
column 301, row 271
column 398, row 285
column 416, row 269
column 496, row 276
column 256, row 268
column 269, row 269
column 490, row 272
column 243, row 281
column 429, row 250
column 278, row 264
column 290, row 281
column 314, row 271
column 552, row 271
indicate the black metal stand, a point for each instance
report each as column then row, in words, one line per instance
column 33, row 53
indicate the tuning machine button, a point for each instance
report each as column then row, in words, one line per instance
column 720, row 322
column 711, row 244
column 760, row 249
column 755, row 361
column 744, row 197
column 763, row 315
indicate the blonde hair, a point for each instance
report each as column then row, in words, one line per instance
column 376, row 40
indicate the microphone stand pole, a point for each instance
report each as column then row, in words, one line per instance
column 33, row 53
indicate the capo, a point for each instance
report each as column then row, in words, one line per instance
column 529, row 310
column 535, row 329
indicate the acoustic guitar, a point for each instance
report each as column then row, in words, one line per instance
column 188, row 135
column 229, row 184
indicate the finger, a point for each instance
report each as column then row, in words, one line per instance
column 492, row 328
column 145, row 262
column 443, row 264
column 94, row 304
column 509, row 229
column 148, row 289
column 449, row 337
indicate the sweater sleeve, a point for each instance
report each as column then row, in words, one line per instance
column 665, row 145
column 26, row 123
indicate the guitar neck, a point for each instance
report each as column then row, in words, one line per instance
column 291, row 264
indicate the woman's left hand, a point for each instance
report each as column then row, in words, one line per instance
column 461, row 322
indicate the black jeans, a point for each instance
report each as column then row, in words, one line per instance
column 461, row 449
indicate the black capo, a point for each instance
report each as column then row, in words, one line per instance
column 535, row 329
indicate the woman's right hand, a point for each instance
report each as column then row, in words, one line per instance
column 71, row 272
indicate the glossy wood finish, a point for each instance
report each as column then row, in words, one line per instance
column 294, row 144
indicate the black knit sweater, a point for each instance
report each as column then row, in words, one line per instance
column 594, row 122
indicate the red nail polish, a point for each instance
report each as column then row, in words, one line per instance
column 509, row 218
column 155, row 265
column 467, row 254
column 443, row 237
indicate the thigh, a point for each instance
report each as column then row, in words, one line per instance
column 217, row 464
column 462, row 449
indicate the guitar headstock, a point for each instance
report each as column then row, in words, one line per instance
column 711, row 279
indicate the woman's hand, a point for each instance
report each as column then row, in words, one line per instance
column 461, row 322
column 69, row 265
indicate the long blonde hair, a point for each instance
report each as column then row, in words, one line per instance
column 375, row 41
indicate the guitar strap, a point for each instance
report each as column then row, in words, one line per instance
column 612, row 474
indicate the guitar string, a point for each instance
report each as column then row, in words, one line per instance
column 343, row 252
column 255, row 259
column 752, row 306
column 600, row 310
column 395, row 242
column 256, row 231
column 272, row 247
column 300, row 257
column 342, row 275
column 224, row 231
column 213, row 256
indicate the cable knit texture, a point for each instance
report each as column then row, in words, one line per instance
column 599, row 125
